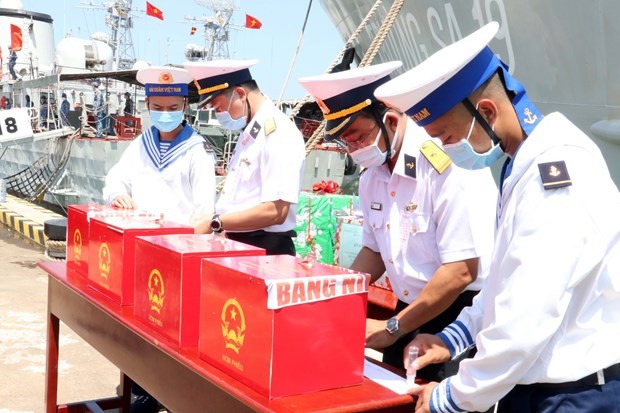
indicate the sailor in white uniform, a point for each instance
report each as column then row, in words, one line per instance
column 166, row 169
column 258, row 203
column 546, row 323
column 421, row 224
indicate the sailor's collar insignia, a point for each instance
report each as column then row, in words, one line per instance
column 554, row 175
column 410, row 164
column 255, row 130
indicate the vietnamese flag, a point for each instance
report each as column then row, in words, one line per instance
column 16, row 38
column 252, row 22
column 154, row 11
column 191, row 33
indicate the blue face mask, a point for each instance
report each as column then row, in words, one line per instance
column 228, row 122
column 166, row 121
column 464, row 155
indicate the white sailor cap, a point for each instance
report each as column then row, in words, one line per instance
column 342, row 95
column 164, row 80
column 213, row 77
column 436, row 85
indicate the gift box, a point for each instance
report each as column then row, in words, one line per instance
column 347, row 244
column 111, row 251
column 347, row 239
column 78, row 218
column 283, row 326
column 316, row 223
column 167, row 280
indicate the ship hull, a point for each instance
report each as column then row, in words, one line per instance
column 562, row 51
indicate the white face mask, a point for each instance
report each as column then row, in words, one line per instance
column 464, row 155
column 371, row 155
column 227, row 121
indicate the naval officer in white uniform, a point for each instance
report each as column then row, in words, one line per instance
column 166, row 169
column 258, row 203
column 421, row 224
column 546, row 323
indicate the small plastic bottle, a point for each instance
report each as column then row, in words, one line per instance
column 411, row 372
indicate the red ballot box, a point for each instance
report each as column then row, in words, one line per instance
column 167, row 280
column 282, row 327
column 77, row 238
column 111, row 246
column 78, row 218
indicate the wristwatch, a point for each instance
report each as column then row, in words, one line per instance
column 392, row 327
column 216, row 224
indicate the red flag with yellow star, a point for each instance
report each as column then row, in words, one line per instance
column 154, row 11
column 252, row 22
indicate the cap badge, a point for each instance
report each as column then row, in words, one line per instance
column 165, row 77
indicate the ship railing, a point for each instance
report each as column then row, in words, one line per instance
column 306, row 126
column 229, row 148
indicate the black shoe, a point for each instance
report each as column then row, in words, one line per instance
column 145, row 404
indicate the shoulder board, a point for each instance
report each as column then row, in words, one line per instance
column 270, row 126
column 554, row 175
column 435, row 156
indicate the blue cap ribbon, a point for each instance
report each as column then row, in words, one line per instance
column 468, row 79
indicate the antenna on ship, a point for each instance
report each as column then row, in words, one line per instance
column 216, row 32
column 119, row 19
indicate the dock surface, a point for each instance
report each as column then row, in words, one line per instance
column 83, row 373
column 26, row 218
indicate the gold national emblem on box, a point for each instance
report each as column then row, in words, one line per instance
column 233, row 325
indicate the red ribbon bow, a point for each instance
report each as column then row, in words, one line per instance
column 326, row 187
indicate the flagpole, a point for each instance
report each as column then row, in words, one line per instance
column 290, row 70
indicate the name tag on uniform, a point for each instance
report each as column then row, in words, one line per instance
column 376, row 206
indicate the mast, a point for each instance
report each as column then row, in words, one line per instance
column 120, row 23
column 119, row 20
column 216, row 31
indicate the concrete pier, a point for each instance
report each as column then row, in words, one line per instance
column 83, row 373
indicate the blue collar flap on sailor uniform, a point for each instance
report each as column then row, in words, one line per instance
column 185, row 140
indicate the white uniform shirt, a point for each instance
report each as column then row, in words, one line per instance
column 183, row 187
column 550, row 311
column 265, row 167
column 453, row 217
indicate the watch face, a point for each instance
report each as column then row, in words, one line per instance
column 392, row 325
column 216, row 224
